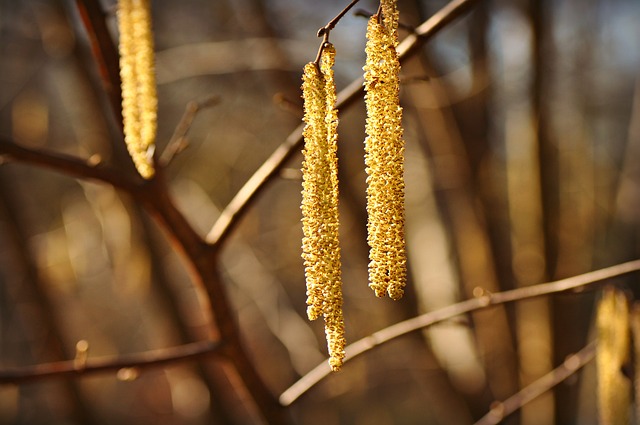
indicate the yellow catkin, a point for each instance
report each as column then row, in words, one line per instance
column 384, row 156
column 612, row 354
column 635, row 337
column 139, row 97
column 320, row 248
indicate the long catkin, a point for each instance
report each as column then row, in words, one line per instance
column 384, row 156
column 612, row 353
column 139, row 97
column 320, row 246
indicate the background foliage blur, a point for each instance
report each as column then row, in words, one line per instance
column 522, row 123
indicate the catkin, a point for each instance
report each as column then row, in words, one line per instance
column 611, row 355
column 320, row 247
column 384, row 156
column 139, row 97
column 635, row 337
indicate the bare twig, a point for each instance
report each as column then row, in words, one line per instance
column 270, row 168
column 500, row 410
column 178, row 140
column 326, row 30
column 332, row 23
column 143, row 360
column 104, row 51
column 70, row 165
column 383, row 336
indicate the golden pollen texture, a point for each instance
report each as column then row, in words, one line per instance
column 612, row 354
column 320, row 248
column 384, row 156
column 139, row 97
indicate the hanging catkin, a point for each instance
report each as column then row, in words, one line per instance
column 320, row 248
column 384, row 156
column 139, row 98
column 612, row 353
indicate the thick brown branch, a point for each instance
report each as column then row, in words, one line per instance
column 254, row 186
column 73, row 368
column 420, row 322
column 69, row 165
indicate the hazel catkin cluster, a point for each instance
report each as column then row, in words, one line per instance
column 139, row 97
column 384, row 159
column 320, row 247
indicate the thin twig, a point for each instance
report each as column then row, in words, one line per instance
column 178, row 141
column 70, row 165
column 332, row 23
column 326, row 30
column 323, row 45
column 383, row 336
column 72, row 368
column 253, row 187
column 500, row 410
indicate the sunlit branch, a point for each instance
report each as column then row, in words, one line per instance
column 74, row 368
column 270, row 168
column 573, row 363
column 383, row 336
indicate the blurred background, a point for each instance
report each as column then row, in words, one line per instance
column 522, row 124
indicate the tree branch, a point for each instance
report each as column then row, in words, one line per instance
column 383, row 336
column 73, row 368
column 69, row 165
column 104, row 50
column 253, row 187
column 500, row 410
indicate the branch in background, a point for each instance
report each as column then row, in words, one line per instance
column 574, row 362
column 72, row 368
column 91, row 169
column 178, row 141
column 253, row 187
column 420, row 322
column 104, row 51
